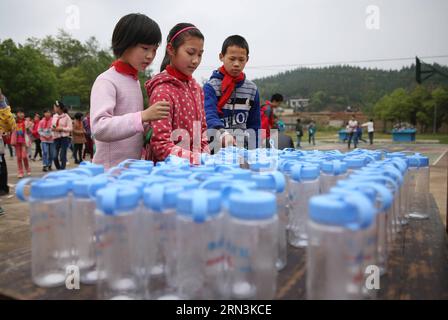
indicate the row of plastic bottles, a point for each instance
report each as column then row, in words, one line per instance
column 217, row 231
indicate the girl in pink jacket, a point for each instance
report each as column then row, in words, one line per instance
column 116, row 103
column 183, row 133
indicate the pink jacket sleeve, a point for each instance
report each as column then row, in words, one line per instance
column 105, row 125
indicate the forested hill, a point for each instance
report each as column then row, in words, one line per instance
column 334, row 88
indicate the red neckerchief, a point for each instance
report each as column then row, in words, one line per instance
column 177, row 74
column 125, row 68
column 227, row 86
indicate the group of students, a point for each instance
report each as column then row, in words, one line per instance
column 354, row 131
column 183, row 119
column 52, row 136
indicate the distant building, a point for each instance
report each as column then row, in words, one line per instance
column 298, row 104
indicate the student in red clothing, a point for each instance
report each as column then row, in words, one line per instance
column 183, row 133
column 267, row 114
column 21, row 141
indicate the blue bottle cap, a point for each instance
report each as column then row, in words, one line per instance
column 334, row 167
column 96, row 169
column 353, row 211
column 138, row 185
column 115, row 199
column 146, row 166
column 274, row 180
column 178, row 174
column 261, row 165
column 186, row 184
column 161, row 197
column 202, row 169
column 131, row 174
column 355, row 163
column 81, row 188
column 215, row 183
column 199, row 204
column 48, row 189
column 305, row 172
column 150, row 180
column 238, row 173
column 252, row 205
column 97, row 183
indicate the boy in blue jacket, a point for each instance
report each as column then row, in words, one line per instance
column 232, row 102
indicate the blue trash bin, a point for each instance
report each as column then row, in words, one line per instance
column 405, row 135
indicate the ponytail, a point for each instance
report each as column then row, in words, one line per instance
column 165, row 62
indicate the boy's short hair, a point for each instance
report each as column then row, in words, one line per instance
column 277, row 97
column 133, row 29
column 237, row 41
column 20, row 110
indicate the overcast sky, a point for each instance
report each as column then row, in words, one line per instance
column 282, row 34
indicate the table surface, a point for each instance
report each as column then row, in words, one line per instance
column 418, row 269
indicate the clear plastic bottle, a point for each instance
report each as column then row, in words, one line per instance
column 49, row 221
column 118, row 251
column 335, row 250
column 200, row 245
column 418, row 193
column 83, row 225
column 251, row 242
column 304, row 184
column 160, row 207
column 331, row 173
column 275, row 183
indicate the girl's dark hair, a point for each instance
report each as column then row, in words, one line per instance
column 179, row 40
column 47, row 110
column 20, row 110
column 59, row 104
column 78, row 116
column 277, row 97
column 237, row 41
column 133, row 29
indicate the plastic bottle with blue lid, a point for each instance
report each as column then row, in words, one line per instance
column 331, row 173
column 160, row 201
column 335, row 251
column 304, row 184
column 49, row 222
column 418, row 196
column 119, row 260
column 201, row 255
column 83, row 223
column 275, row 183
column 251, row 241
column 375, row 242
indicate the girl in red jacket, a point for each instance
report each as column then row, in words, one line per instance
column 183, row 133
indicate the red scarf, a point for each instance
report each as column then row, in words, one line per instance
column 177, row 74
column 125, row 68
column 227, row 86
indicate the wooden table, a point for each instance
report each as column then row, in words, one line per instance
column 418, row 269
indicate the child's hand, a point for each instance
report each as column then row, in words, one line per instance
column 159, row 110
column 227, row 140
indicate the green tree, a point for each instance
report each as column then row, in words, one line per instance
column 27, row 77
